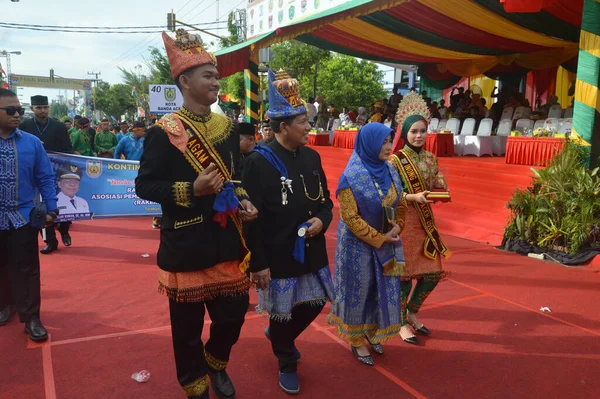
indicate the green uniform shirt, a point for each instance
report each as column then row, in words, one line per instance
column 105, row 141
column 81, row 143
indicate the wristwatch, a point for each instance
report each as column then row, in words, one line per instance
column 54, row 213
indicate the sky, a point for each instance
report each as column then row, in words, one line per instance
column 73, row 55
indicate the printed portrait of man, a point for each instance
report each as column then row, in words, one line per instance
column 69, row 178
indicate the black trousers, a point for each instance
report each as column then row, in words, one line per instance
column 284, row 333
column 63, row 228
column 187, row 322
column 20, row 271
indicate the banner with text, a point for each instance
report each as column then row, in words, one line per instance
column 164, row 99
column 89, row 188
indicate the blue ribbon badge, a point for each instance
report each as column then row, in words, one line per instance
column 299, row 246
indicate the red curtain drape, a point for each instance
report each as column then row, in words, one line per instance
column 526, row 5
column 541, row 84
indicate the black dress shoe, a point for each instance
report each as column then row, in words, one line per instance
column 366, row 360
column 296, row 351
column 66, row 239
column 6, row 315
column 411, row 340
column 48, row 249
column 36, row 330
column 423, row 330
column 377, row 348
column 221, row 384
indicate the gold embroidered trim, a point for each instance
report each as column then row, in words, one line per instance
column 206, row 292
column 214, row 363
column 215, row 128
column 181, row 192
column 190, row 222
column 393, row 268
column 353, row 333
column 196, row 388
column 240, row 192
column 197, row 118
column 435, row 276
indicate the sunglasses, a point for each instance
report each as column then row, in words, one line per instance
column 10, row 111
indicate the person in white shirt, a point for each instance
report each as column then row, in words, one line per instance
column 312, row 111
column 68, row 201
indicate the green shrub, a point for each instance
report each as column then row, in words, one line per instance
column 561, row 209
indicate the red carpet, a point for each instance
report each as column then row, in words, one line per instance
column 480, row 187
column 489, row 339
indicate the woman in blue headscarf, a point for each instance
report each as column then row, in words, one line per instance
column 369, row 255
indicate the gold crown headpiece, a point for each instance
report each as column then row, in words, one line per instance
column 412, row 104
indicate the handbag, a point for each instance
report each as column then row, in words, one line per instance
column 37, row 216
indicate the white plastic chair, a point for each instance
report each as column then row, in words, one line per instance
column 433, row 125
column 485, row 127
column 555, row 112
column 468, row 127
column 551, row 124
column 522, row 113
column 482, row 143
column 499, row 144
column 539, row 123
column 505, row 126
column 569, row 113
column 566, row 127
column 442, row 124
column 522, row 125
column 453, row 125
column 336, row 124
column 507, row 113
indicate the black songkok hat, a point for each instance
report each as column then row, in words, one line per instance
column 246, row 129
column 69, row 171
column 83, row 121
column 39, row 100
column 139, row 124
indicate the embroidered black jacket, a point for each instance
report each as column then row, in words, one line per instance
column 271, row 238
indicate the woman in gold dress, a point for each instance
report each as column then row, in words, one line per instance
column 423, row 246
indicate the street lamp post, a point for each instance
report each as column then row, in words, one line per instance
column 6, row 54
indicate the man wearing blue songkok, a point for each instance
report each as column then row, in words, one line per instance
column 289, row 262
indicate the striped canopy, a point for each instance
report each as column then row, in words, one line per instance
column 445, row 38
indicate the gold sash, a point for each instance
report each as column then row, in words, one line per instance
column 200, row 153
column 433, row 244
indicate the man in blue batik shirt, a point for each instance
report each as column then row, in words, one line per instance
column 24, row 168
column 132, row 146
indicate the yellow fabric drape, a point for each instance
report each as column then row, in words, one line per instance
column 487, row 86
column 472, row 14
column 373, row 34
column 469, row 67
column 542, row 59
column 536, row 60
column 564, row 80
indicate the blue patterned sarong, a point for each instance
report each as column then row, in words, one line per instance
column 367, row 302
column 283, row 294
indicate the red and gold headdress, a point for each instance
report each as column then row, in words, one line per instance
column 412, row 104
column 186, row 52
